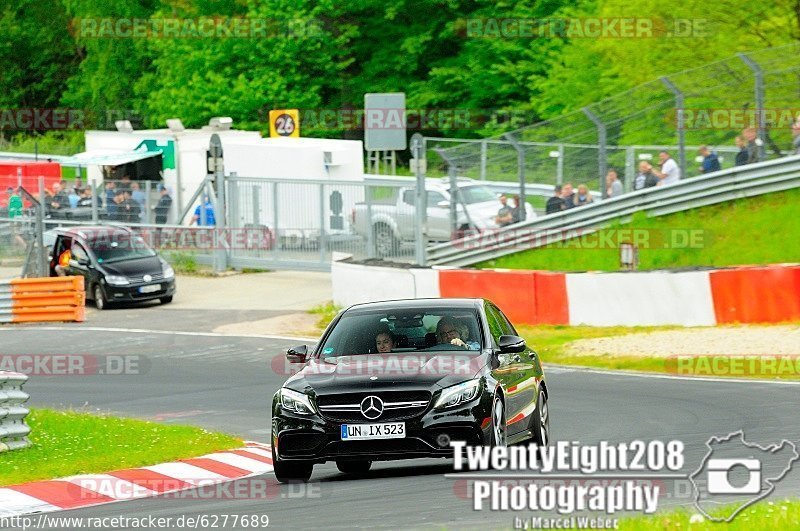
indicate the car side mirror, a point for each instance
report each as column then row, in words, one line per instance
column 297, row 354
column 511, row 344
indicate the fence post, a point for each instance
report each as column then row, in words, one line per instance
column 560, row 165
column 420, row 203
column 679, row 108
column 630, row 168
column 520, row 172
column 371, row 251
column 42, row 266
column 758, row 78
column 148, row 189
column 322, row 244
column 95, row 199
column 275, row 204
column 602, row 160
column 221, row 252
column 483, row 160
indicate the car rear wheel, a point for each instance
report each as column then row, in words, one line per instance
column 541, row 421
column 99, row 299
column 385, row 242
column 354, row 467
column 498, row 422
column 291, row 471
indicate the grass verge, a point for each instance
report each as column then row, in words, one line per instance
column 66, row 443
column 552, row 341
column 325, row 314
column 736, row 232
column 765, row 516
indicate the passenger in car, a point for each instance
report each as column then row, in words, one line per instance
column 452, row 331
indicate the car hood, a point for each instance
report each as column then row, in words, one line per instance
column 134, row 268
column 375, row 372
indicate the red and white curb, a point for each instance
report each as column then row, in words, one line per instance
column 97, row 489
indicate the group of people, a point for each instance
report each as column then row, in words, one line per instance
column 125, row 201
column 507, row 215
column 565, row 197
column 449, row 331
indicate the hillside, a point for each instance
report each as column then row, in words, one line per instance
column 759, row 230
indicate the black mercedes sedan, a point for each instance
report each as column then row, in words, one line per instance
column 402, row 379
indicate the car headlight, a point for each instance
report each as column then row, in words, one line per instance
column 168, row 271
column 116, row 280
column 296, row 402
column 458, row 394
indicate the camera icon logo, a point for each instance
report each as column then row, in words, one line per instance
column 718, row 478
column 735, row 474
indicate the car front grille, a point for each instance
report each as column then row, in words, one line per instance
column 397, row 405
column 140, row 279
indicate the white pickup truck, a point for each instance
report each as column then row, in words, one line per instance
column 393, row 220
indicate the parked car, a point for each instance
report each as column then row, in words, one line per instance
column 457, row 370
column 118, row 266
column 392, row 221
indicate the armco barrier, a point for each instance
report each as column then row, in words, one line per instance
column 13, row 430
column 644, row 298
column 28, row 300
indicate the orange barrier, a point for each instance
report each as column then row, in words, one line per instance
column 756, row 295
column 27, row 300
column 530, row 297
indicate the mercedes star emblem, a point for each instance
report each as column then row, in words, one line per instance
column 372, row 407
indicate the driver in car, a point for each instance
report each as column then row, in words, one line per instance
column 453, row 332
column 384, row 341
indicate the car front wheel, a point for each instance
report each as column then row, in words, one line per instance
column 99, row 299
column 541, row 421
column 498, row 422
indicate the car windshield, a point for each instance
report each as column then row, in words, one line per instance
column 118, row 246
column 477, row 194
column 364, row 331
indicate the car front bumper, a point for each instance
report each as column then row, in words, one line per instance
column 133, row 293
column 314, row 438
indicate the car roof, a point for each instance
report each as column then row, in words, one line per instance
column 87, row 232
column 416, row 303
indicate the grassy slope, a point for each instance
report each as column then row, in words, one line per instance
column 68, row 443
column 759, row 230
column 767, row 516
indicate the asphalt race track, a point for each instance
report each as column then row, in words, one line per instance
column 227, row 382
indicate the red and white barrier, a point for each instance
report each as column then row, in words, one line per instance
column 768, row 294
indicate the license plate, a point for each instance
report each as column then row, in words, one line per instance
column 150, row 289
column 360, row 432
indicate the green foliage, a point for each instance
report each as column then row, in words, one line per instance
column 323, row 54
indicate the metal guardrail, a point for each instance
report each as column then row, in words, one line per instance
column 734, row 183
column 13, row 430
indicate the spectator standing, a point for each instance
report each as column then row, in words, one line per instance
column 741, row 157
column 555, row 203
column 138, row 196
column 85, row 199
column 503, row 216
column 59, row 199
column 670, row 173
column 583, row 197
column 613, row 184
column 710, row 160
column 568, row 195
column 116, row 210
column 516, row 213
column 208, row 208
column 163, row 206
column 753, row 145
column 14, row 203
column 130, row 208
column 645, row 178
